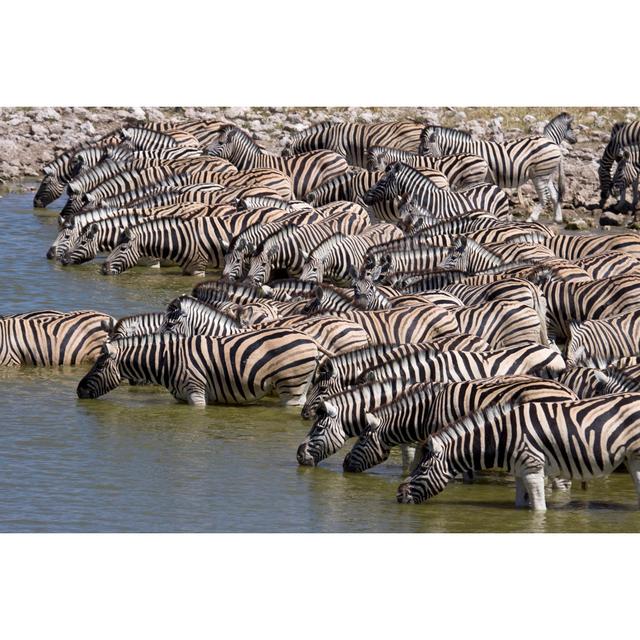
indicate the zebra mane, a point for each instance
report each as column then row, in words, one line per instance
column 468, row 244
column 472, row 421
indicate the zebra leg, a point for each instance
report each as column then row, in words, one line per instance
column 560, row 484
column 633, row 464
column 555, row 200
column 534, row 483
column 522, row 498
column 541, row 184
column 408, row 457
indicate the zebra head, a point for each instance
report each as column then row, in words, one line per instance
column 124, row 256
column 50, row 189
column 104, row 375
column 326, row 385
column 234, row 261
column 429, row 145
column 378, row 158
column 413, row 217
column 260, row 265
column 458, row 257
column 369, row 450
column 85, row 248
column 429, row 478
column 66, row 236
column 385, row 188
column 325, row 437
column 313, row 268
column 365, row 294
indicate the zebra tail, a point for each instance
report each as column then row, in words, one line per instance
column 561, row 183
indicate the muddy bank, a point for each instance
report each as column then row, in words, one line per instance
column 30, row 137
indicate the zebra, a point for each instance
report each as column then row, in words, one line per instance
column 441, row 203
column 471, row 257
column 334, row 374
column 238, row 253
column 609, row 264
column 188, row 316
column 627, row 173
column 401, row 325
column 342, row 416
column 286, row 248
column 429, row 407
column 51, row 338
column 203, row 370
column 461, row 170
column 586, row 382
column 452, row 366
column 192, row 244
column 512, row 164
column 333, row 257
column 560, row 128
column 599, row 343
column 152, row 140
column 576, row 247
column 216, row 291
column 139, row 324
column 579, row 439
column 352, row 140
column 622, row 135
column 569, row 302
column 307, row 170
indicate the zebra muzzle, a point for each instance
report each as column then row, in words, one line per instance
column 303, row 456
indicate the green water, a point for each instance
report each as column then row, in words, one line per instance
column 135, row 460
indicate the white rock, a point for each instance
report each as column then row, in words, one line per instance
column 529, row 119
column 39, row 130
column 138, row 113
column 88, row 128
column 235, row 112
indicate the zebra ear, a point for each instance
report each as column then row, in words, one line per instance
column 305, row 255
column 108, row 325
column 241, row 245
column 461, row 243
column 250, row 247
column 626, row 154
column 125, row 235
column 368, row 376
column 319, row 292
column 224, row 245
column 330, row 409
column 352, row 272
column 373, row 422
column 91, row 232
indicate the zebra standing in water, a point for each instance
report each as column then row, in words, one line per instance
column 622, row 135
column 582, row 439
column 429, row 407
column 202, row 369
column 352, row 140
column 51, row 338
column 535, row 158
column 307, row 171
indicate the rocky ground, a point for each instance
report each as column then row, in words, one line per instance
column 30, row 137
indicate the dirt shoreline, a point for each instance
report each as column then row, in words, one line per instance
column 31, row 137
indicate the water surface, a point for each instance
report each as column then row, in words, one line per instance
column 135, row 460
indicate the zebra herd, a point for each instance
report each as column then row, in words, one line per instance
column 373, row 275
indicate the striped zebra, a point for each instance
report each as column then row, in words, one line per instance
column 456, row 366
column 336, row 373
column 599, row 343
column 203, row 370
column 353, row 140
column 188, row 316
column 461, row 170
column 139, row 324
column 576, row 247
column 582, row 439
column 512, row 164
column 622, row 135
column 401, row 179
column 307, row 170
column 191, row 244
column 287, row 248
column 51, row 338
column 609, row 264
column 560, row 128
column 333, row 257
column 217, row 291
column 150, row 140
column 587, row 382
column 238, row 253
column 342, row 416
column 471, row 257
column 410, row 324
column 569, row 302
column 428, row 408
column 626, row 174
